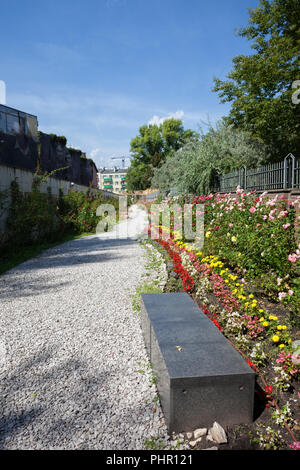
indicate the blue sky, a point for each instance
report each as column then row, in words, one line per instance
column 96, row 70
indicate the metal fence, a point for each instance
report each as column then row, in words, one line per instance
column 280, row 175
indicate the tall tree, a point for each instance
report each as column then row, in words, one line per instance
column 260, row 85
column 151, row 147
column 193, row 168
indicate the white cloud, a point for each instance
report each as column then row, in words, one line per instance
column 95, row 152
column 159, row 120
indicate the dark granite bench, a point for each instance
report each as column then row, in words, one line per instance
column 201, row 378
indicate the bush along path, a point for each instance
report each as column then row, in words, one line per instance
column 262, row 324
column 37, row 220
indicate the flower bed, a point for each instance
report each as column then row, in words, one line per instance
column 252, row 300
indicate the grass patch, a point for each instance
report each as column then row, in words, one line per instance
column 153, row 265
column 152, row 288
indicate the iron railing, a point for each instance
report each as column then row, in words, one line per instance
column 280, row 175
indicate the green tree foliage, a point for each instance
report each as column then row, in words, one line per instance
column 138, row 176
column 192, row 169
column 151, row 147
column 260, row 85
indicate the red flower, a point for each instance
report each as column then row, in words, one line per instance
column 250, row 363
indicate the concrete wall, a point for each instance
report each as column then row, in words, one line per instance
column 47, row 154
column 54, row 155
column 18, row 150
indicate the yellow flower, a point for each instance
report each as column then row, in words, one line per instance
column 262, row 319
column 208, row 234
column 279, row 327
column 233, row 239
column 260, row 310
column 265, row 323
column 271, row 317
column 239, row 254
column 283, row 327
column 246, row 304
column 251, row 296
column 281, row 345
column 275, row 338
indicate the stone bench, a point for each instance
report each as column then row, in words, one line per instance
column 200, row 377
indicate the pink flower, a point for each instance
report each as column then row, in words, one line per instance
column 282, row 214
column 271, row 217
column 281, row 295
column 295, row 446
column 252, row 210
column 270, row 203
column 293, row 258
column 230, row 224
column 285, row 226
column 290, row 292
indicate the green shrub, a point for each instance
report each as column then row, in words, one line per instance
column 37, row 218
column 32, row 217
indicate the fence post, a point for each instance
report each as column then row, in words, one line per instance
column 243, row 177
column 288, row 171
column 217, row 181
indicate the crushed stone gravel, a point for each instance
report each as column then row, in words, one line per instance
column 72, row 350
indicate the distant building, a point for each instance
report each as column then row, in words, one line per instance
column 112, row 179
column 15, row 122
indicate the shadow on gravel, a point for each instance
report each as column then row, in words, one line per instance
column 17, row 288
column 51, row 408
column 15, row 285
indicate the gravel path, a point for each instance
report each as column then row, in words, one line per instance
column 71, row 348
